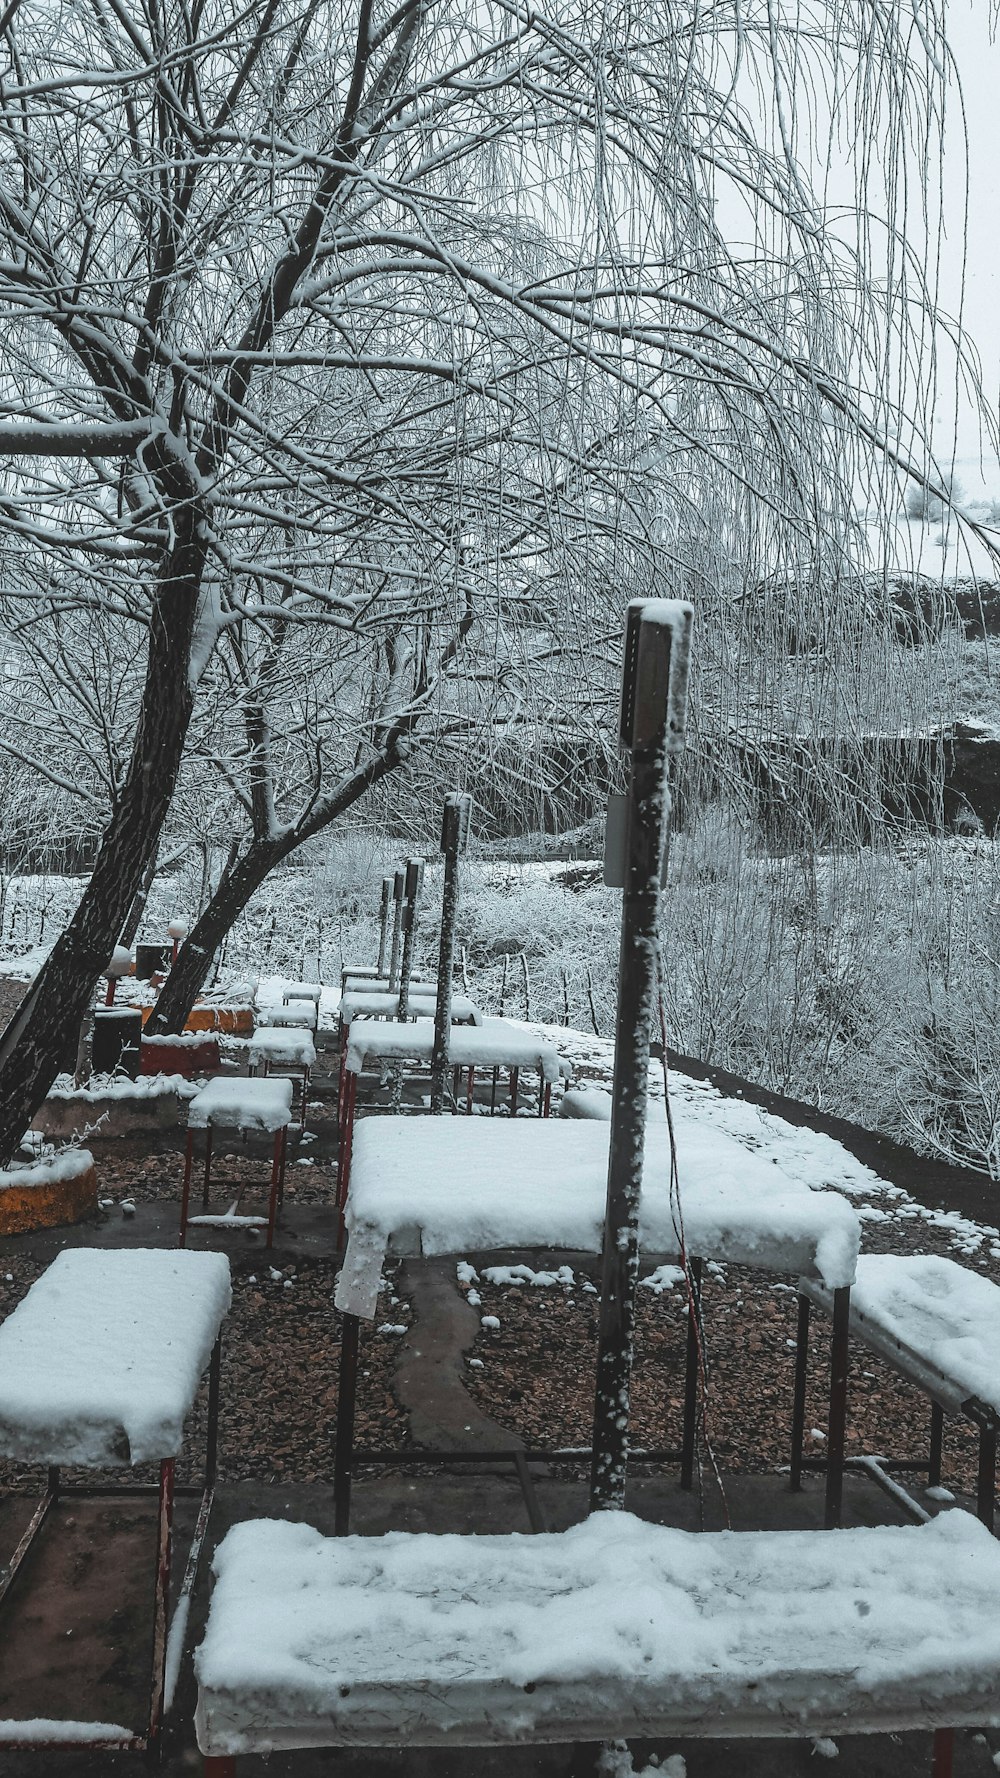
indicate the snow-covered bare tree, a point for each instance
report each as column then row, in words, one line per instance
column 325, row 312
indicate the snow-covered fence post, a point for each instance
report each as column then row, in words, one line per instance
column 383, row 938
column 412, row 886
column 398, row 885
column 654, row 687
column 454, row 834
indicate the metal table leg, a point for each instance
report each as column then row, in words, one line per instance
column 799, row 1396
column 186, row 1191
column 347, row 1389
column 692, row 1367
column 206, row 1182
column 161, row 1600
column 837, row 1424
column 936, row 1453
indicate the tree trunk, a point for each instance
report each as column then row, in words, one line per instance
column 43, row 1033
column 194, row 960
column 240, row 880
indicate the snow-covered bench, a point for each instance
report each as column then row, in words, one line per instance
column 99, row 1367
column 938, row 1324
column 435, row 1186
column 612, row 1629
column 258, row 1106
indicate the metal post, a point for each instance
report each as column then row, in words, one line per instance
column 657, row 643
column 799, row 1396
column 383, row 937
column 837, row 1425
column 943, row 1750
column 412, row 886
column 454, row 834
column 398, row 885
column 691, row 1374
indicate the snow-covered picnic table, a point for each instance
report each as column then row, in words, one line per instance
column 611, row 1629
column 450, row 1185
column 938, row 1324
column 360, row 1004
column 370, row 982
column 298, row 1016
column 100, row 1362
column 285, row 1047
column 489, row 1043
column 99, row 1366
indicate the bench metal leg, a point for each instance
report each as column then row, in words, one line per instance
column 799, row 1394
column 186, row 1191
column 277, row 1183
column 936, row 1453
column 547, row 1098
column 469, row 1092
column 219, row 1766
column 346, row 1146
column 161, row 1599
column 343, row 1453
column 513, row 1091
column 837, row 1424
column 692, row 1368
column 943, row 1746
column 206, row 1182
column 987, row 1478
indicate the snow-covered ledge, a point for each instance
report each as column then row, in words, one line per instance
column 43, row 1194
column 111, row 1106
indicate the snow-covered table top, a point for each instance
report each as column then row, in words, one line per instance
column 242, row 1105
column 298, row 1017
column 614, row 1628
column 358, row 981
column 436, row 1185
column 294, row 1048
column 303, row 991
column 100, row 1363
column 934, row 1320
column 364, row 1005
column 492, row 1044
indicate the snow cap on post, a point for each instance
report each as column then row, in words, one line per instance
column 414, row 878
column 178, row 927
column 120, row 964
column 455, row 821
column 655, row 680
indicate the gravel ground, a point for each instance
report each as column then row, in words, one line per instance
column 533, row 1373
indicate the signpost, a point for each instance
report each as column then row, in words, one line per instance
column 454, row 836
column 654, row 692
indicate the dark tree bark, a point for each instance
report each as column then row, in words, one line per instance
column 241, row 879
column 44, row 1029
